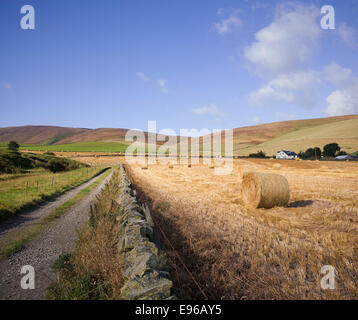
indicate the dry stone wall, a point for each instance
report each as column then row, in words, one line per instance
column 145, row 268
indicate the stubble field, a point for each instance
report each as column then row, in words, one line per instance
column 235, row 252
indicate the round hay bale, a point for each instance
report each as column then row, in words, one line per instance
column 276, row 166
column 145, row 168
column 170, row 166
column 211, row 166
column 265, row 190
column 189, row 165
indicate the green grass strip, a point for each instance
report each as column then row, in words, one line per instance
column 14, row 201
column 79, row 147
column 14, row 242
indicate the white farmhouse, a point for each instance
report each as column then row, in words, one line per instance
column 284, row 154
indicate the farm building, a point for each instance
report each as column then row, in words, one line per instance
column 346, row 157
column 284, row 154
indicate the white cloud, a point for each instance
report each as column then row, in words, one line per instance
column 211, row 110
column 281, row 53
column 256, row 119
column 7, row 85
column 161, row 83
column 292, row 88
column 288, row 42
column 220, row 11
column 267, row 94
column 227, row 24
column 344, row 100
column 143, row 77
column 348, row 35
column 337, row 75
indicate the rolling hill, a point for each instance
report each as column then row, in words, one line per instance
column 51, row 136
column 295, row 135
column 344, row 132
column 38, row 134
column 254, row 138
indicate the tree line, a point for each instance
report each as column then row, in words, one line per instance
column 330, row 150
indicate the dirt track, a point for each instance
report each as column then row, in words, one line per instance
column 18, row 221
column 42, row 252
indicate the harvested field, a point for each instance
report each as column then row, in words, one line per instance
column 95, row 161
column 235, row 252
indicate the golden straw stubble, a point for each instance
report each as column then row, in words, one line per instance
column 265, row 190
column 241, row 172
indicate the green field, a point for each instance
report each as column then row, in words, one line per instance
column 21, row 191
column 79, row 147
column 110, row 147
column 3, row 145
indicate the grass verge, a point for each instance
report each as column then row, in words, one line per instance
column 15, row 241
column 92, row 271
column 26, row 192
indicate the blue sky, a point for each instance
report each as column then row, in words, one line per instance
column 186, row 64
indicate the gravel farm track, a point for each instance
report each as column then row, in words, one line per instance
column 43, row 251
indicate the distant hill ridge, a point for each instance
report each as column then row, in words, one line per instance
column 293, row 135
column 38, row 134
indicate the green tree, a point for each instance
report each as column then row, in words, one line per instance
column 13, row 146
column 309, row 153
column 341, row 153
column 330, row 150
column 302, row 155
column 259, row 154
column 317, row 153
column 57, row 165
